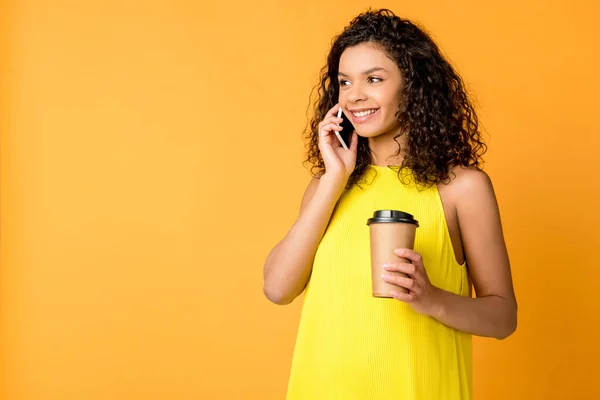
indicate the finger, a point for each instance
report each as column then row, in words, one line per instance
column 333, row 110
column 400, row 267
column 409, row 254
column 405, row 297
column 333, row 119
column 328, row 128
column 401, row 281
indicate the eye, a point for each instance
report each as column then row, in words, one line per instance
column 373, row 79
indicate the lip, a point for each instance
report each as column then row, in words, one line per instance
column 360, row 120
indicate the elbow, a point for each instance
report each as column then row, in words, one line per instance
column 510, row 325
column 506, row 332
column 278, row 290
column 276, row 296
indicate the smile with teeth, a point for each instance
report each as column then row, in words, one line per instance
column 364, row 113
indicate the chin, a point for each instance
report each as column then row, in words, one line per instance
column 368, row 134
column 374, row 132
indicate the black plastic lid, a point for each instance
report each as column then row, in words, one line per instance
column 383, row 216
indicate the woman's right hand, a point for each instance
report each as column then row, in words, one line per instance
column 339, row 162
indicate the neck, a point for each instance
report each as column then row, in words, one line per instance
column 384, row 149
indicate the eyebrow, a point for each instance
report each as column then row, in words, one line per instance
column 367, row 72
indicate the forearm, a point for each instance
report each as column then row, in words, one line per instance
column 490, row 316
column 289, row 265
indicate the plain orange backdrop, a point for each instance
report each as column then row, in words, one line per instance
column 151, row 157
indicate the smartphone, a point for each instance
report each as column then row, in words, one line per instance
column 347, row 129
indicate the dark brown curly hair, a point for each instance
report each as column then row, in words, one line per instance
column 440, row 123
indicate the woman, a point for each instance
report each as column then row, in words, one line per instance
column 416, row 148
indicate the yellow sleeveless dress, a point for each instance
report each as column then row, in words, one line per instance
column 351, row 345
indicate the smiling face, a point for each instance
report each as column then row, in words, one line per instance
column 370, row 90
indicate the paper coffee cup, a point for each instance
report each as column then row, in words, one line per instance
column 389, row 230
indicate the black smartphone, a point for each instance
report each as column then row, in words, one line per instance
column 347, row 129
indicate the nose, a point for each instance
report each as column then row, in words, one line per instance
column 355, row 93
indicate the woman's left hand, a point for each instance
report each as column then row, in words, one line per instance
column 423, row 297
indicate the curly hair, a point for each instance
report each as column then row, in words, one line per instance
column 440, row 123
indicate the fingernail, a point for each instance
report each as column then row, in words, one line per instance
column 399, row 251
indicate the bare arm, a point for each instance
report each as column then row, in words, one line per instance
column 493, row 312
column 289, row 265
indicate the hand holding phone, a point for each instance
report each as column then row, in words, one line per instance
column 339, row 158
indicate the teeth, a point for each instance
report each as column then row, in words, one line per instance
column 364, row 113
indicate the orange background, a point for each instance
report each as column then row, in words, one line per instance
column 151, row 157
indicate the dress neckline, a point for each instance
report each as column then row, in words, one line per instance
column 385, row 166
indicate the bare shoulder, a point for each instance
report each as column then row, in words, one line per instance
column 458, row 195
column 468, row 181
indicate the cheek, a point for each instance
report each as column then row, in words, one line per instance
column 391, row 108
column 390, row 113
